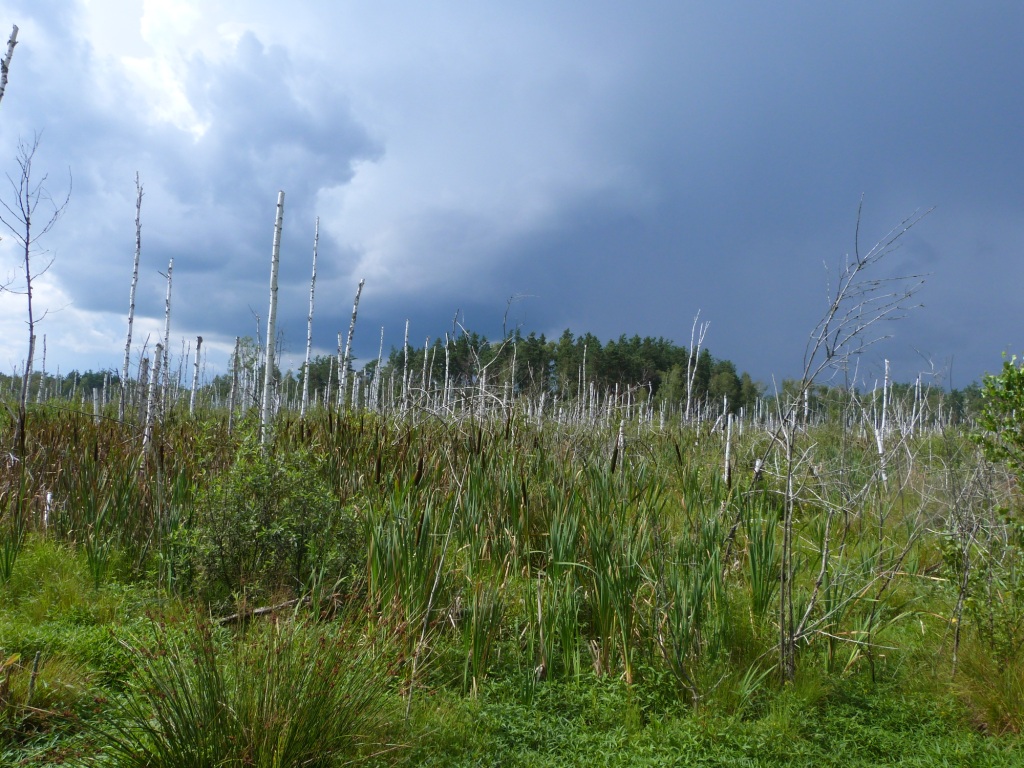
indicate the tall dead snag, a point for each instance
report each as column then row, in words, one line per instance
column 167, row 334
column 153, row 400
column 20, row 221
column 268, row 373
column 234, row 382
column 195, row 379
column 131, row 297
column 309, row 325
column 697, row 335
column 5, row 65
column 342, row 396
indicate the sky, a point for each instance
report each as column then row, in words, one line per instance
column 607, row 167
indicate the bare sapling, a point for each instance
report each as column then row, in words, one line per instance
column 405, row 367
column 143, row 380
column 340, row 355
column 309, row 325
column 881, row 426
column 19, row 216
column 268, row 373
column 697, row 333
column 233, row 395
column 5, row 65
column 152, row 401
column 195, row 379
column 343, row 385
column 858, row 304
column 131, row 297
column 167, row 331
column 41, row 391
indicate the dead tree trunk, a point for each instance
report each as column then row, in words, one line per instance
column 131, row 298
column 309, row 325
column 268, row 373
column 5, row 65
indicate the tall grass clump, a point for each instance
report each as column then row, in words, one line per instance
column 286, row 693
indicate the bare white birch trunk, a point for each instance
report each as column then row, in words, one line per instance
column 5, row 65
column 42, row 374
column 696, row 340
column 378, row 381
column 882, row 426
column 728, row 447
column 268, row 373
column 143, row 384
column 165, row 362
column 447, row 361
column 330, row 382
column 195, row 379
column 131, row 297
column 343, row 395
column 154, row 397
column 423, row 373
column 234, row 383
column 309, row 324
column 405, row 366
column 341, row 378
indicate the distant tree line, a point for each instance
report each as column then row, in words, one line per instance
column 652, row 367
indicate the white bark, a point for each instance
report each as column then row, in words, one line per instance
column 167, row 331
column 195, row 379
column 153, row 401
column 42, row 375
column 234, row 383
column 5, row 65
column 341, row 378
column 881, row 426
column 696, row 340
column 728, row 447
column 268, row 373
column 131, row 297
column 342, row 395
column 309, row 324
column 405, row 366
column 143, row 383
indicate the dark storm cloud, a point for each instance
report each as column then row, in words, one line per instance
column 209, row 201
column 753, row 137
column 619, row 167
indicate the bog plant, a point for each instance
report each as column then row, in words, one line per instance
column 284, row 693
column 267, row 525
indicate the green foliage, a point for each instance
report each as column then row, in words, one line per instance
column 1002, row 415
column 268, row 524
column 556, row 610
column 283, row 694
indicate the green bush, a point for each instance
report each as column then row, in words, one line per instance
column 268, row 525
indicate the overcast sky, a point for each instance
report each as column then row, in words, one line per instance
column 614, row 166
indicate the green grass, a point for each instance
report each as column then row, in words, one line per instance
column 524, row 600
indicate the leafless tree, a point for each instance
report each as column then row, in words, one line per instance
column 268, row 374
column 131, row 301
column 19, row 215
column 858, row 303
column 309, row 324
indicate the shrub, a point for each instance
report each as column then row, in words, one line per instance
column 268, row 524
